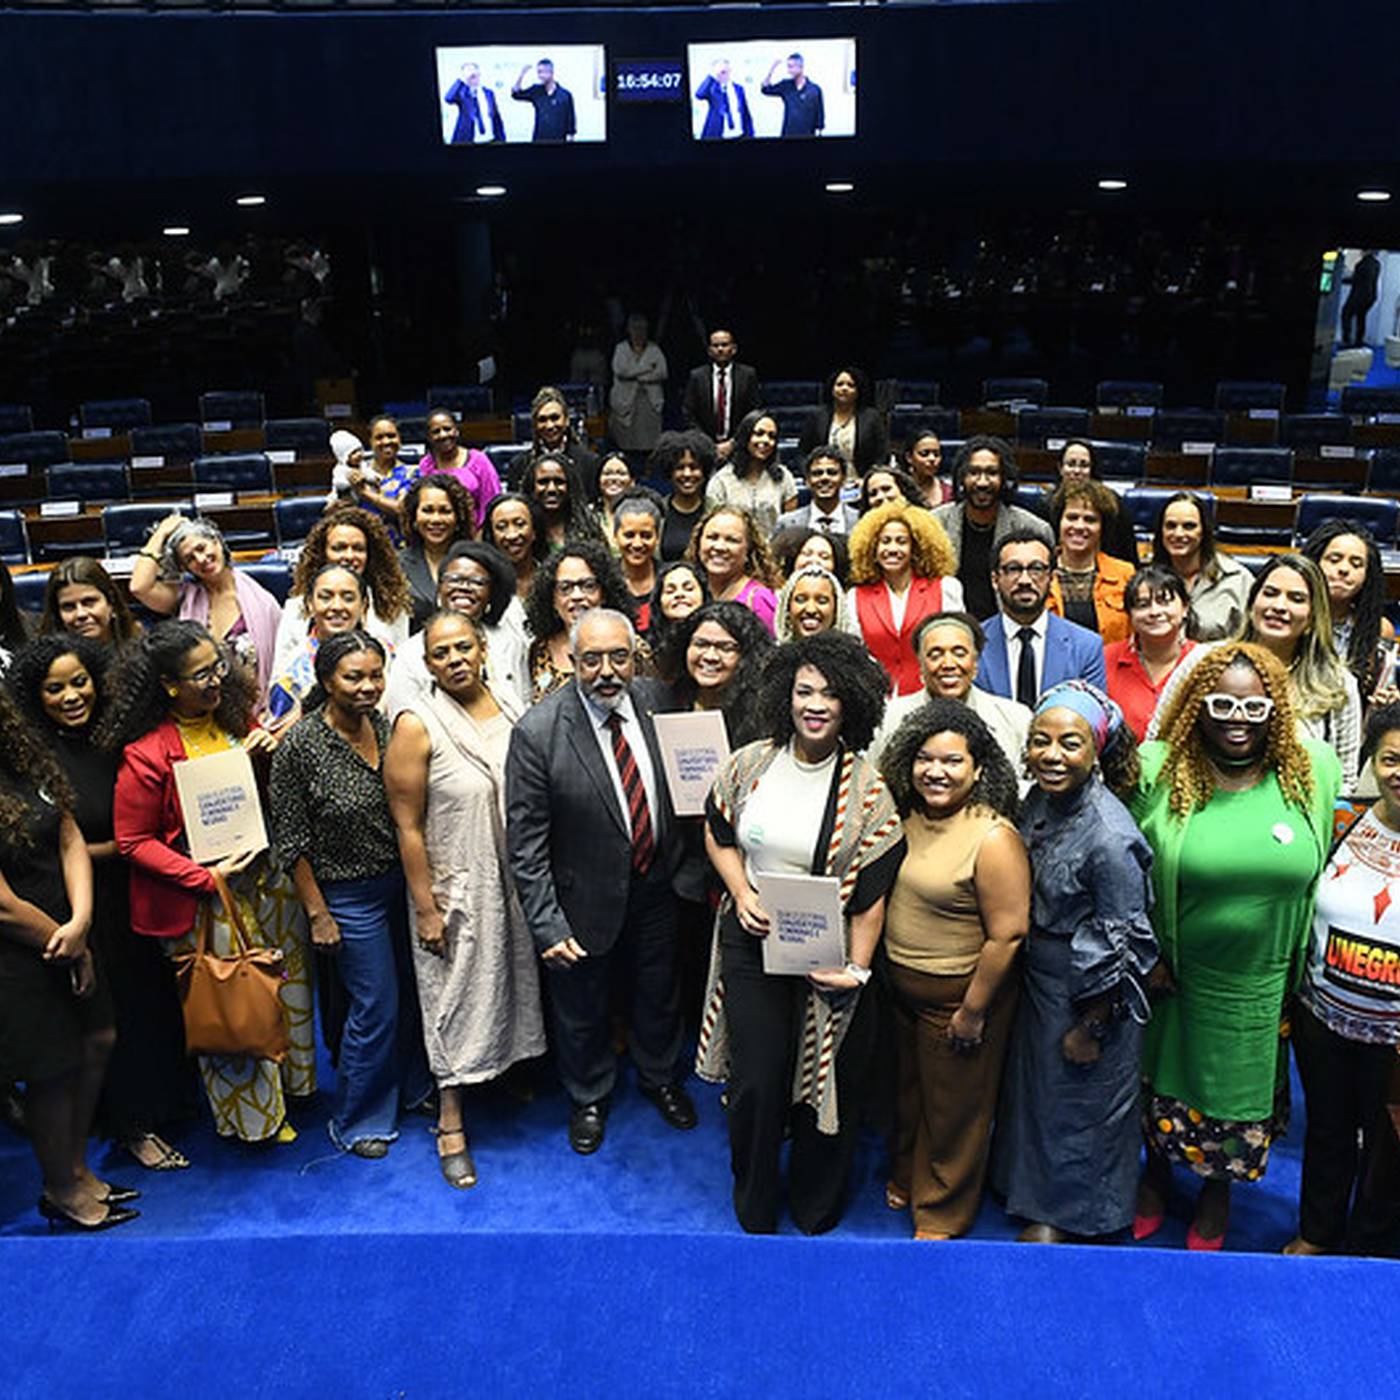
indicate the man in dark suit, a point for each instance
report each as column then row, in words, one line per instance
column 825, row 470
column 719, row 394
column 1029, row 649
column 477, row 112
column 728, row 116
column 593, row 847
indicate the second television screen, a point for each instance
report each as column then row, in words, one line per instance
column 759, row 88
column 522, row 94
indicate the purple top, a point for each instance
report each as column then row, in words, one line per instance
column 477, row 476
column 760, row 601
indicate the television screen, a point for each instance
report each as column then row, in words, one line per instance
column 522, row 94
column 761, row 88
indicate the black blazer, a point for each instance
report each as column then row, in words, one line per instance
column 570, row 853
column 872, row 442
column 585, row 462
column 698, row 402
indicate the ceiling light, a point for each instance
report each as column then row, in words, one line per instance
column 250, row 201
column 839, row 187
column 1112, row 183
column 11, row 218
column 175, row 230
column 1373, row 196
column 490, row 191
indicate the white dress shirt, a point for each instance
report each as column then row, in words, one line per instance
column 716, row 373
column 1010, row 628
column 636, row 741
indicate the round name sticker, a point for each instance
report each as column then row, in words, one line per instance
column 1283, row 833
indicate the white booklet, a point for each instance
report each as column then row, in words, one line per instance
column 693, row 744
column 807, row 929
column 219, row 799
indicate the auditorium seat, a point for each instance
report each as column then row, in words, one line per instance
column 295, row 515
column 1307, row 432
column 1384, row 474
column 1129, row 393
column 1241, row 395
column 1143, row 505
column 502, row 454
column 1358, row 400
column 465, row 400
column 791, row 421
column 30, row 590
column 241, row 408
column 35, row 450
column 791, row 393
column 1033, row 392
column 1173, row 426
column 120, row 415
column 1379, row 514
column 16, row 418
column 275, row 575
column 1123, row 461
column 308, row 436
column 88, row 481
column 1244, row 467
column 923, row 392
column 1042, row 425
column 903, row 422
column 414, row 429
column 1028, row 496
column 14, row 542
column 522, row 425
column 234, row 471
column 126, row 527
column 175, row 442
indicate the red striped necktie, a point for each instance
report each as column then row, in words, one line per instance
column 643, row 841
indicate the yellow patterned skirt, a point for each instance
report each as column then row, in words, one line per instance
column 248, row 1096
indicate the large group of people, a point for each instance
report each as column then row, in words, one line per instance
column 1077, row 808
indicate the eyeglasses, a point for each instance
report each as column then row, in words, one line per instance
column 565, row 587
column 466, row 583
column 723, row 648
column 1254, row 709
column 1016, row 570
column 617, row 659
column 205, row 674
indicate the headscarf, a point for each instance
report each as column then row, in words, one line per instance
column 842, row 622
column 1102, row 715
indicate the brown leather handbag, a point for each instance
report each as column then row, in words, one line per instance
column 231, row 1003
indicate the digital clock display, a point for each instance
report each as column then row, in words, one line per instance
column 649, row 80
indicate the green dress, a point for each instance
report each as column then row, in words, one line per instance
column 1234, row 887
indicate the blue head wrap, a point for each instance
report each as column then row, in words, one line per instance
column 1101, row 714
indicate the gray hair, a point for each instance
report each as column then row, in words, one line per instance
column 639, row 505
column 602, row 615
column 200, row 528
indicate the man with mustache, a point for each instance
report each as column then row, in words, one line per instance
column 593, row 847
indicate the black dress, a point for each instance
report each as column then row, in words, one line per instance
column 150, row 1082
column 42, row 1022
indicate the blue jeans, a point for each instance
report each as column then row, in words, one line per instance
column 381, row 1052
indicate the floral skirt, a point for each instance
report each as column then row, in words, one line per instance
column 248, row 1096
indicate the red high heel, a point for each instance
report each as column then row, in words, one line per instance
column 1145, row 1226
column 1196, row 1240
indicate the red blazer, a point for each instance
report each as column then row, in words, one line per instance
column 895, row 650
column 166, row 885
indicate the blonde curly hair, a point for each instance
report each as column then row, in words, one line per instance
column 931, row 552
column 1188, row 772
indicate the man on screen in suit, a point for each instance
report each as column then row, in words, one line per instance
column 728, row 118
column 476, row 109
column 719, row 394
column 825, row 471
column 594, row 847
column 1029, row 649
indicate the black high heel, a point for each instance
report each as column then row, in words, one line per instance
column 119, row 1195
column 56, row 1215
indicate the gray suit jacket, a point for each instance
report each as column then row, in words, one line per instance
column 570, row 854
column 1009, row 518
column 797, row 519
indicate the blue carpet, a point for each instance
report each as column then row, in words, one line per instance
column 301, row 1271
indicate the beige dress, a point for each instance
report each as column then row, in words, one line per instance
column 481, row 1001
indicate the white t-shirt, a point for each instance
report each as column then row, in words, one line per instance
column 782, row 818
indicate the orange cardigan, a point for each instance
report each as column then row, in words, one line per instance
column 1110, row 581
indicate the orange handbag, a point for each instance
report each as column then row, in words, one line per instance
column 231, row 1003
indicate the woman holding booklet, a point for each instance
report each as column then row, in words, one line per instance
column 800, row 802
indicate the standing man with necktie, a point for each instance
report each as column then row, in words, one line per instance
column 727, row 117
column 1029, row 649
column 718, row 395
column 593, row 848
column 825, row 470
column 476, row 109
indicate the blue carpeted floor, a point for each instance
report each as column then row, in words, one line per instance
column 301, row 1271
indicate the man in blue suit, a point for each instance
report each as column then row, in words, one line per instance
column 478, row 117
column 1029, row 649
column 728, row 117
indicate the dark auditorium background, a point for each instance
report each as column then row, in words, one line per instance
column 975, row 241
